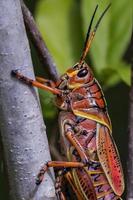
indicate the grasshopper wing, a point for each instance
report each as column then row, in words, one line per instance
column 109, row 159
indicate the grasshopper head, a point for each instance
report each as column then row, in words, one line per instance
column 77, row 76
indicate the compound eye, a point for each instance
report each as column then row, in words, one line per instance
column 82, row 73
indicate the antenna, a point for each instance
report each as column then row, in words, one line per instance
column 90, row 35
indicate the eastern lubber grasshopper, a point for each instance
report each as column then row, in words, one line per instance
column 93, row 166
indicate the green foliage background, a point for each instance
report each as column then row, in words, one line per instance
column 63, row 24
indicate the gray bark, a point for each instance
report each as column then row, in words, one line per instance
column 22, row 128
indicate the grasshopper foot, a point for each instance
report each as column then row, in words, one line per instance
column 40, row 176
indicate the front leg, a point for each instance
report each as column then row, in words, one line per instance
column 35, row 83
column 46, row 81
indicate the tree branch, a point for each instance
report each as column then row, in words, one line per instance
column 39, row 43
column 22, row 128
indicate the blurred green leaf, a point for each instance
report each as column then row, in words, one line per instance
column 64, row 24
column 112, row 38
column 108, row 78
column 55, row 19
column 111, row 76
column 114, row 32
column 124, row 71
column 101, row 41
column 120, row 29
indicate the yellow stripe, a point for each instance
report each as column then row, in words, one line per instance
column 72, row 73
column 103, row 194
column 92, row 117
column 100, row 183
column 95, row 172
column 74, row 85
